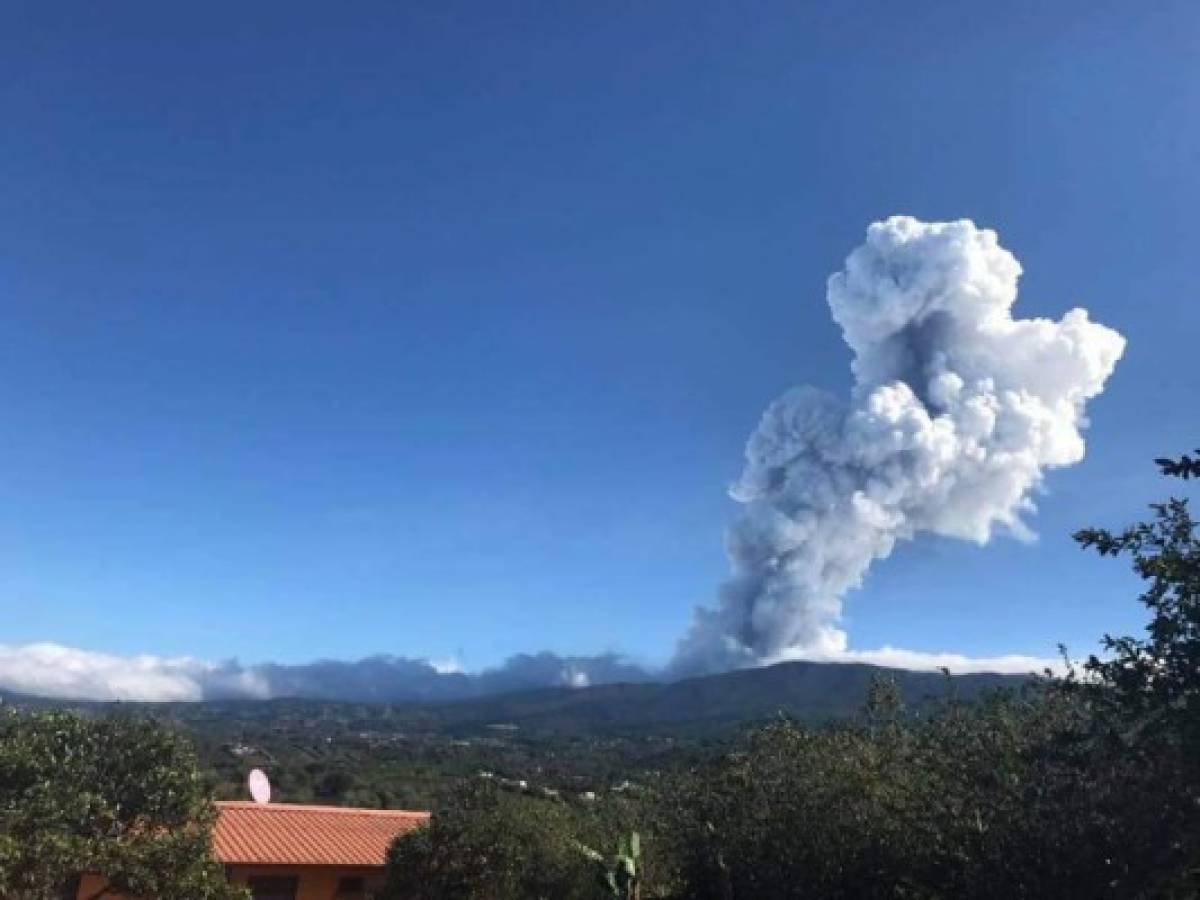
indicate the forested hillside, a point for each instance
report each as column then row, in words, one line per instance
column 565, row 739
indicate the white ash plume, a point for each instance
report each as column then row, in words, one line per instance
column 956, row 412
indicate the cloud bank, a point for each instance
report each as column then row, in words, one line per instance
column 956, row 412
column 53, row 670
column 957, row 663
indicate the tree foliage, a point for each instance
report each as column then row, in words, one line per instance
column 1145, row 691
column 119, row 796
column 489, row 843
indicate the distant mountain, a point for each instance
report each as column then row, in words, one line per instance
column 810, row 691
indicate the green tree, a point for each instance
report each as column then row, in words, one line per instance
column 1146, row 690
column 1156, row 678
column 488, row 843
column 334, row 785
column 119, row 796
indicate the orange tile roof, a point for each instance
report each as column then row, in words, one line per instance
column 289, row 834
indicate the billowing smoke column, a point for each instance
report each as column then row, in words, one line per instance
column 957, row 410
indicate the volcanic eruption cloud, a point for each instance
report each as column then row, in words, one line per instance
column 956, row 412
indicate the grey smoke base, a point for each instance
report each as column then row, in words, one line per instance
column 956, row 412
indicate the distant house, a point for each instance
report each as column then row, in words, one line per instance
column 284, row 851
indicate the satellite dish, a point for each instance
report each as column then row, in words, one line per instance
column 260, row 786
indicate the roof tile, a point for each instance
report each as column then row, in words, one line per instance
column 290, row 834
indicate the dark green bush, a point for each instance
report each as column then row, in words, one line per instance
column 117, row 795
column 494, row 844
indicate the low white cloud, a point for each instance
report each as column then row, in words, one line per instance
column 448, row 665
column 957, row 663
column 52, row 670
column 57, row 671
column 575, row 677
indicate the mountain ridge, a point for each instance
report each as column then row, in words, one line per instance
column 809, row 691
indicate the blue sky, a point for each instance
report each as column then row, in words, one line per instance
column 437, row 329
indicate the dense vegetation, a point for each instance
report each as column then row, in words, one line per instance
column 414, row 756
column 495, row 843
column 1087, row 786
column 334, row 754
column 116, row 795
column 573, row 741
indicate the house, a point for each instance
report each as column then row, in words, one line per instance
column 284, row 851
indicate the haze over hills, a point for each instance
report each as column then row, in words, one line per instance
column 811, row 691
